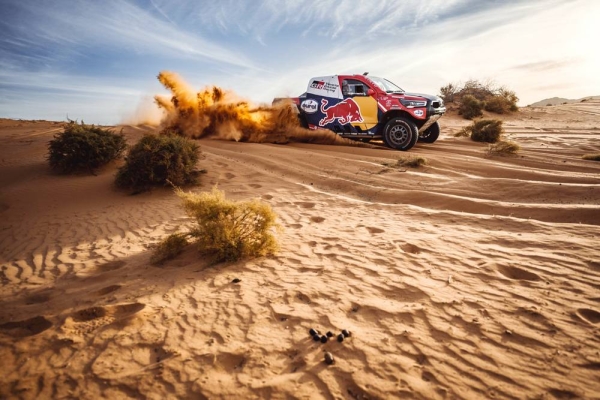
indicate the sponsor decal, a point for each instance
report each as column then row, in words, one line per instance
column 345, row 111
column 418, row 113
column 309, row 106
column 388, row 103
column 322, row 85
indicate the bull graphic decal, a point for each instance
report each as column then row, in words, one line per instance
column 345, row 111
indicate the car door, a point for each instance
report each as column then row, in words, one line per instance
column 357, row 92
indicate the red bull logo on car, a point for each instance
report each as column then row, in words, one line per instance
column 345, row 111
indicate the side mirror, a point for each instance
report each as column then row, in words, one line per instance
column 370, row 92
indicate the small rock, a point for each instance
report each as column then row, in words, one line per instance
column 324, row 339
column 346, row 333
column 508, row 332
column 329, row 358
column 236, row 280
column 313, row 332
column 316, row 338
column 329, row 334
column 340, row 338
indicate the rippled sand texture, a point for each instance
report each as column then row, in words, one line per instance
column 472, row 277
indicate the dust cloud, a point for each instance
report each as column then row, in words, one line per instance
column 216, row 113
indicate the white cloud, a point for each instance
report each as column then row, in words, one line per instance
column 123, row 25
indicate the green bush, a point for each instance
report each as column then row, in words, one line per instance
column 84, row 147
column 227, row 229
column 503, row 147
column 486, row 130
column 470, row 107
column 159, row 160
column 169, row 248
column 592, row 157
column 412, row 162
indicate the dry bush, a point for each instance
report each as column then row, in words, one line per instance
column 510, row 98
column 169, row 248
column 486, row 130
column 230, row 230
column 592, row 157
column 492, row 98
column 480, row 90
column 470, row 107
column 412, row 162
column 448, row 93
column 84, row 147
column 498, row 105
column 159, row 160
column 464, row 132
column 503, row 148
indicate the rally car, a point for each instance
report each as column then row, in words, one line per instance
column 367, row 107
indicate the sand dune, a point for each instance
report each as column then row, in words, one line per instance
column 471, row 277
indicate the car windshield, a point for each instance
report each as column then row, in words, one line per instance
column 386, row 85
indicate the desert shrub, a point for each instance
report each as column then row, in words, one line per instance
column 548, row 104
column 169, row 248
column 470, row 107
column 480, row 90
column 230, row 230
column 171, row 130
column 502, row 148
column 509, row 97
column 412, row 162
column 448, row 92
column 486, row 130
column 592, row 157
column 493, row 98
column 159, row 160
column 464, row 132
column 497, row 104
column 84, row 147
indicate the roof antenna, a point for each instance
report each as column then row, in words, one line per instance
column 365, row 73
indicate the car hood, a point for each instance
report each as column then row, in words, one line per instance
column 426, row 96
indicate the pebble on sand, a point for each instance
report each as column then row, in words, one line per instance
column 329, row 358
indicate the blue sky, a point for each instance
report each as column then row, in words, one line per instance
column 98, row 60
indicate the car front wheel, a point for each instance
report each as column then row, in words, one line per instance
column 400, row 134
column 430, row 134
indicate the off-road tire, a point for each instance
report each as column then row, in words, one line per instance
column 400, row 134
column 430, row 134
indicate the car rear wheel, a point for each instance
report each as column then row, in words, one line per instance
column 430, row 134
column 400, row 134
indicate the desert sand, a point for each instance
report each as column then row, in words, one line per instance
column 471, row 277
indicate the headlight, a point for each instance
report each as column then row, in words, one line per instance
column 413, row 103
